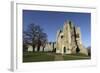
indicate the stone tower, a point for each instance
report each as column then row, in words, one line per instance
column 68, row 40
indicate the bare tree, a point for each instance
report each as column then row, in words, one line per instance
column 41, row 37
column 44, row 40
column 35, row 36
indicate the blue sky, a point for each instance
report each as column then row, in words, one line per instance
column 51, row 21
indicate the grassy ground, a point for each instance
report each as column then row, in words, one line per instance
column 76, row 57
column 49, row 56
column 37, row 56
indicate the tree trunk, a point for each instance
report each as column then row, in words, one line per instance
column 43, row 49
column 38, row 48
column 33, row 48
column 39, row 44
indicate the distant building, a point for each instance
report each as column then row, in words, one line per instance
column 30, row 48
column 50, row 46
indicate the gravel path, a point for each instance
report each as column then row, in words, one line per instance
column 58, row 57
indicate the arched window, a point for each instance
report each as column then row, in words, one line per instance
column 62, row 37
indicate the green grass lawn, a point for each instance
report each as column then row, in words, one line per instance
column 76, row 57
column 37, row 57
column 49, row 56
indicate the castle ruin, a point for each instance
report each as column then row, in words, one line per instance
column 68, row 41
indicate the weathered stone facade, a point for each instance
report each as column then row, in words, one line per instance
column 68, row 40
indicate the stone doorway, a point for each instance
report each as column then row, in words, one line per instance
column 64, row 50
